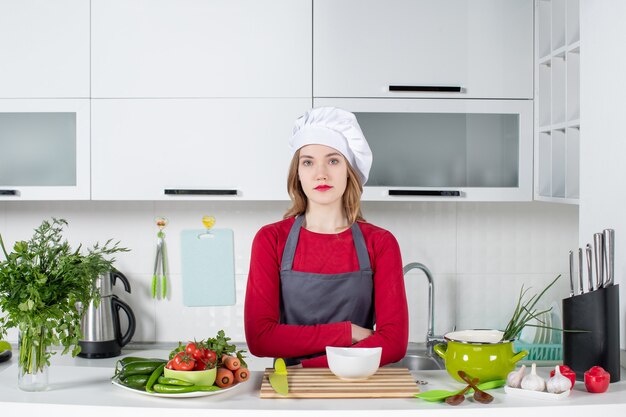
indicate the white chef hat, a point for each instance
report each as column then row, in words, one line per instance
column 338, row 129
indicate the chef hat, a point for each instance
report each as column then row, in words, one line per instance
column 338, row 129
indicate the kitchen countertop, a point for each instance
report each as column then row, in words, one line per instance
column 83, row 386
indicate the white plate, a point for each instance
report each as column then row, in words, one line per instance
column 528, row 333
column 115, row 382
column 518, row 392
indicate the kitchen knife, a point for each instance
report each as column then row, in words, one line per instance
column 571, row 273
column 609, row 255
column 598, row 253
column 589, row 268
column 278, row 379
column 580, row 271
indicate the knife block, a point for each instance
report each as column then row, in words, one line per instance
column 597, row 312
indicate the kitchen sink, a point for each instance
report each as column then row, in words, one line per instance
column 418, row 363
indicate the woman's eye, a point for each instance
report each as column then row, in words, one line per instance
column 306, row 163
column 334, row 161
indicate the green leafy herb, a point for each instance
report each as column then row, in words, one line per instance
column 41, row 282
column 525, row 311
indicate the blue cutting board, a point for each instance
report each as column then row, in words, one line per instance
column 208, row 268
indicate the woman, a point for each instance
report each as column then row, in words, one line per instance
column 323, row 276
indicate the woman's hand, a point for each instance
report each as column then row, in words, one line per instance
column 359, row 333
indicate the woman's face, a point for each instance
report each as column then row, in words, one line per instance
column 323, row 174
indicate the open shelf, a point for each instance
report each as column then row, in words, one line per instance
column 557, row 101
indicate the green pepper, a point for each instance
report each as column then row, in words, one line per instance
column 173, row 381
column 153, row 378
column 135, row 381
column 177, row 389
column 140, row 368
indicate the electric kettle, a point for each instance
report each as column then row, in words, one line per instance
column 102, row 334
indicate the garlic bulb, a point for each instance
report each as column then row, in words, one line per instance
column 514, row 378
column 558, row 383
column 533, row 382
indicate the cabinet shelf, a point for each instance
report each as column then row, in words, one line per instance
column 557, row 95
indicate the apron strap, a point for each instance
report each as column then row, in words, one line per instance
column 361, row 249
column 292, row 242
column 290, row 247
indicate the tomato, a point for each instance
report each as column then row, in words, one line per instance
column 566, row 372
column 201, row 366
column 183, row 362
column 170, row 364
column 597, row 379
column 191, row 349
column 210, row 356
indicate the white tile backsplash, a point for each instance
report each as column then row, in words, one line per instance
column 480, row 255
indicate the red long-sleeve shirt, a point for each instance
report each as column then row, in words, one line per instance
column 323, row 254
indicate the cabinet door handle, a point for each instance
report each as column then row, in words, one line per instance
column 427, row 88
column 9, row 192
column 437, row 193
column 176, row 191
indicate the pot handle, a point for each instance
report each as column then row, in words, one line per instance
column 441, row 349
column 519, row 356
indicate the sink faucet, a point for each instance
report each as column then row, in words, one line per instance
column 431, row 339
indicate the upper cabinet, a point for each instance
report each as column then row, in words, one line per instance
column 189, row 48
column 44, row 48
column 44, row 149
column 198, row 149
column 423, row 48
column 446, row 150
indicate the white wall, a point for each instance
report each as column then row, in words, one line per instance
column 603, row 141
column 480, row 255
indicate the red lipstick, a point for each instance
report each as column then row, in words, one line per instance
column 323, row 187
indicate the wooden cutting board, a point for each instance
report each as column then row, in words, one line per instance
column 321, row 383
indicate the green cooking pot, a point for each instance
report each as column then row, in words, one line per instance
column 480, row 353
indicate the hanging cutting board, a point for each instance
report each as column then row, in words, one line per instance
column 208, row 267
column 321, row 383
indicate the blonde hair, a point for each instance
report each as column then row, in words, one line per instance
column 351, row 196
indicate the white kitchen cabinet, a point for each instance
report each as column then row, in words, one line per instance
column 44, row 149
column 191, row 48
column 557, row 94
column 192, row 149
column 44, row 49
column 446, row 150
column 425, row 48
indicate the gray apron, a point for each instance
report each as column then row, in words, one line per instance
column 308, row 298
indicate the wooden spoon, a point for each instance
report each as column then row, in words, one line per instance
column 460, row 397
column 480, row 396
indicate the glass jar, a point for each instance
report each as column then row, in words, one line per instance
column 32, row 362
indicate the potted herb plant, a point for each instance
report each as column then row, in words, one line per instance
column 41, row 282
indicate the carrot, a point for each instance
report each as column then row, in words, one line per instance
column 230, row 362
column 224, row 377
column 242, row 374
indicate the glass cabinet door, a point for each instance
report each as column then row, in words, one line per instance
column 446, row 149
column 44, row 149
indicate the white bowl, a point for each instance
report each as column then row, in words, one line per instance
column 353, row 364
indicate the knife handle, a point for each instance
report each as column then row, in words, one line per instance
column 609, row 255
column 580, row 270
column 571, row 273
column 598, row 247
column 589, row 268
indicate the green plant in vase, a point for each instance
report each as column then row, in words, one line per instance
column 41, row 282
